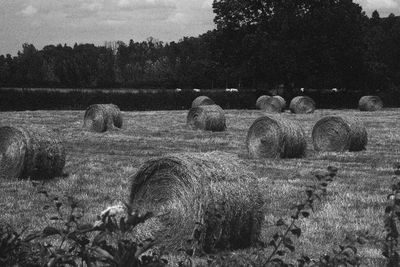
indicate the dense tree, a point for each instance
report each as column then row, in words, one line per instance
column 307, row 43
column 257, row 44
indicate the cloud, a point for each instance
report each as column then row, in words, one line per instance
column 207, row 4
column 385, row 4
column 94, row 6
column 384, row 7
column 43, row 22
column 29, row 10
column 144, row 4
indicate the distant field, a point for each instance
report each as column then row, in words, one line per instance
column 99, row 166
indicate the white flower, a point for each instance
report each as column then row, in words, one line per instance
column 113, row 210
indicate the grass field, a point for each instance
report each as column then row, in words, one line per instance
column 99, row 166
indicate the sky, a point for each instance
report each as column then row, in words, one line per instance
column 43, row 22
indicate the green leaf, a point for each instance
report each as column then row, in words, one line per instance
column 275, row 236
column 103, row 253
column 280, row 222
column 296, row 232
column 84, row 227
column 48, row 231
column 281, row 252
column 290, row 247
column 122, row 224
column 277, row 260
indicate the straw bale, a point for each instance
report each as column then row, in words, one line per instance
column 370, row 103
column 102, row 117
column 275, row 137
column 260, row 103
column 33, row 152
column 272, row 105
column 208, row 118
column 302, row 105
column 338, row 133
column 202, row 101
column 208, row 197
column 282, row 100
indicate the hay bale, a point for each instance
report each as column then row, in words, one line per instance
column 102, row 117
column 336, row 133
column 370, row 103
column 302, row 105
column 273, row 104
column 282, row 100
column 208, row 118
column 202, row 101
column 210, row 192
column 260, row 103
column 278, row 137
column 31, row 152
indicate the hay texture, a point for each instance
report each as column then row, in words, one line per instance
column 36, row 153
column 202, row 101
column 336, row 133
column 260, row 103
column 102, row 117
column 275, row 137
column 274, row 104
column 370, row 103
column 282, row 100
column 302, row 105
column 208, row 197
column 208, row 118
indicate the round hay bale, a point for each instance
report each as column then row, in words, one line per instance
column 278, row 137
column 370, row 103
column 336, row 133
column 272, row 105
column 282, row 100
column 102, row 117
column 260, row 103
column 202, row 101
column 35, row 153
column 208, row 118
column 302, row 105
column 205, row 194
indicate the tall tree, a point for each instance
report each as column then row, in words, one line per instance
column 304, row 42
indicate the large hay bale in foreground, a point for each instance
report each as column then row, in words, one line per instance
column 275, row 137
column 102, row 117
column 208, row 118
column 261, row 101
column 31, row 152
column 336, row 133
column 202, row 101
column 370, row 103
column 302, row 105
column 205, row 194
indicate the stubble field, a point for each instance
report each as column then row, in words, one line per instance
column 99, row 166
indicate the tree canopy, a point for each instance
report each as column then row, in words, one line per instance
column 256, row 44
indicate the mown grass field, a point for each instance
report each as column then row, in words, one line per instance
column 99, row 166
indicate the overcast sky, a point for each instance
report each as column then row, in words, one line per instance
column 43, row 22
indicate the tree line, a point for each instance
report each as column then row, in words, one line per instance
column 258, row 44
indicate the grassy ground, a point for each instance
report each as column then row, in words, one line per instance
column 99, row 167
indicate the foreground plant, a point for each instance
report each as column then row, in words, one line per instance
column 70, row 242
column 392, row 218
